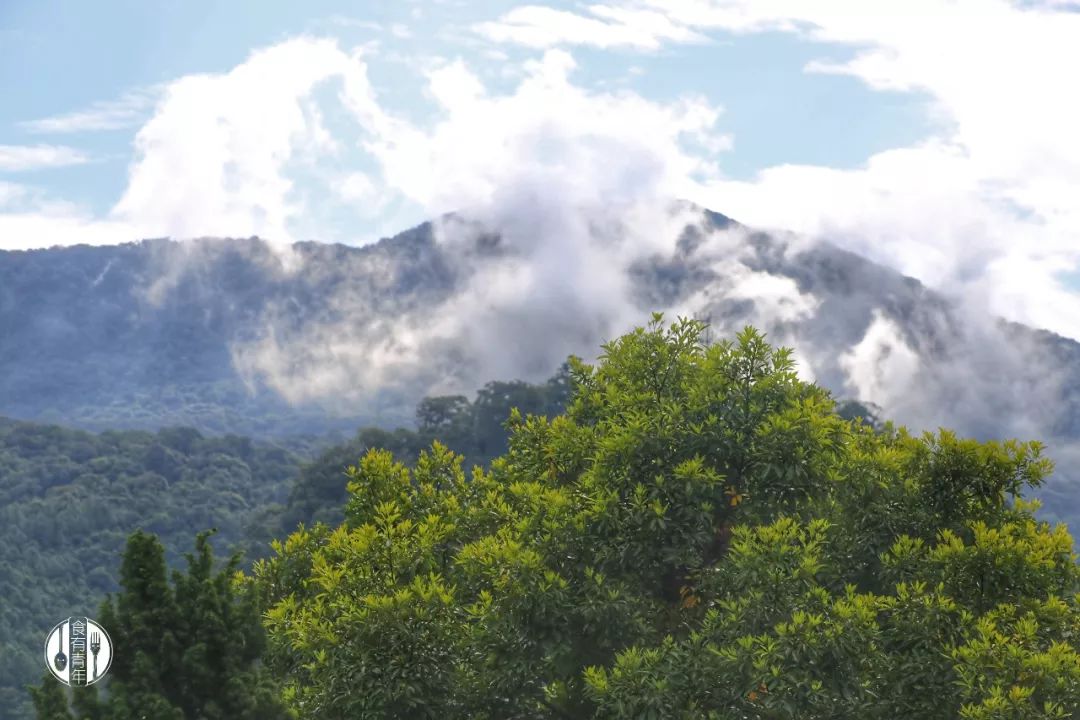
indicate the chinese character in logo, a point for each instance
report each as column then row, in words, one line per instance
column 78, row 651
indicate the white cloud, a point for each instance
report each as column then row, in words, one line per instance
column 356, row 186
column 575, row 182
column 20, row 158
column 51, row 226
column 218, row 157
column 129, row 110
column 30, row 218
column 10, row 192
column 777, row 299
column 214, row 159
column 605, row 27
column 985, row 210
column 600, row 148
column 363, row 195
column 881, row 366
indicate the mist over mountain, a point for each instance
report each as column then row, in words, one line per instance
column 141, row 335
column 244, row 336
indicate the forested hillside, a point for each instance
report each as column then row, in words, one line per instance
column 69, row 499
column 141, row 335
column 475, row 429
column 237, row 335
column 700, row 535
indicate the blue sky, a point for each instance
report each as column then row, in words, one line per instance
column 934, row 136
column 85, row 53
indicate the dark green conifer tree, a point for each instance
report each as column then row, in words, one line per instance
column 50, row 700
column 184, row 649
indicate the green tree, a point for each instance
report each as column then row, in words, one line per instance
column 476, row 430
column 186, row 648
column 701, row 535
column 69, row 499
column 439, row 414
column 50, row 700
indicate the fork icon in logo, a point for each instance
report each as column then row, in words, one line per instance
column 95, row 648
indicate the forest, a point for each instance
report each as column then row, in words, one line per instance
column 700, row 534
column 69, row 499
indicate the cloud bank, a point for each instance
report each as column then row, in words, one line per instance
column 576, row 195
column 576, row 183
column 984, row 210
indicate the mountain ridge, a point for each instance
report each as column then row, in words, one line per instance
column 224, row 335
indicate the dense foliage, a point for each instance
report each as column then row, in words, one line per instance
column 476, row 430
column 188, row 650
column 701, row 535
column 68, row 500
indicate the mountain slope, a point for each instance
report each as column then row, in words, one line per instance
column 242, row 336
column 139, row 335
column 68, row 500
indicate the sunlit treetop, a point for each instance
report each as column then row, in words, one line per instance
column 699, row 535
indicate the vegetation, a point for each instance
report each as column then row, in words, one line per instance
column 68, row 499
column 188, row 649
column 699, row 536
column 476, row 430
column 143, row 335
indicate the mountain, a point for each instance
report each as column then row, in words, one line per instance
column 244, row 336
column 139, row 335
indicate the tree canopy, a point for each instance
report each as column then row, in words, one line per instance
column 57, row 484
column 187, row 649
column 474, row 429
column 700, row 535
column 69, row 499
